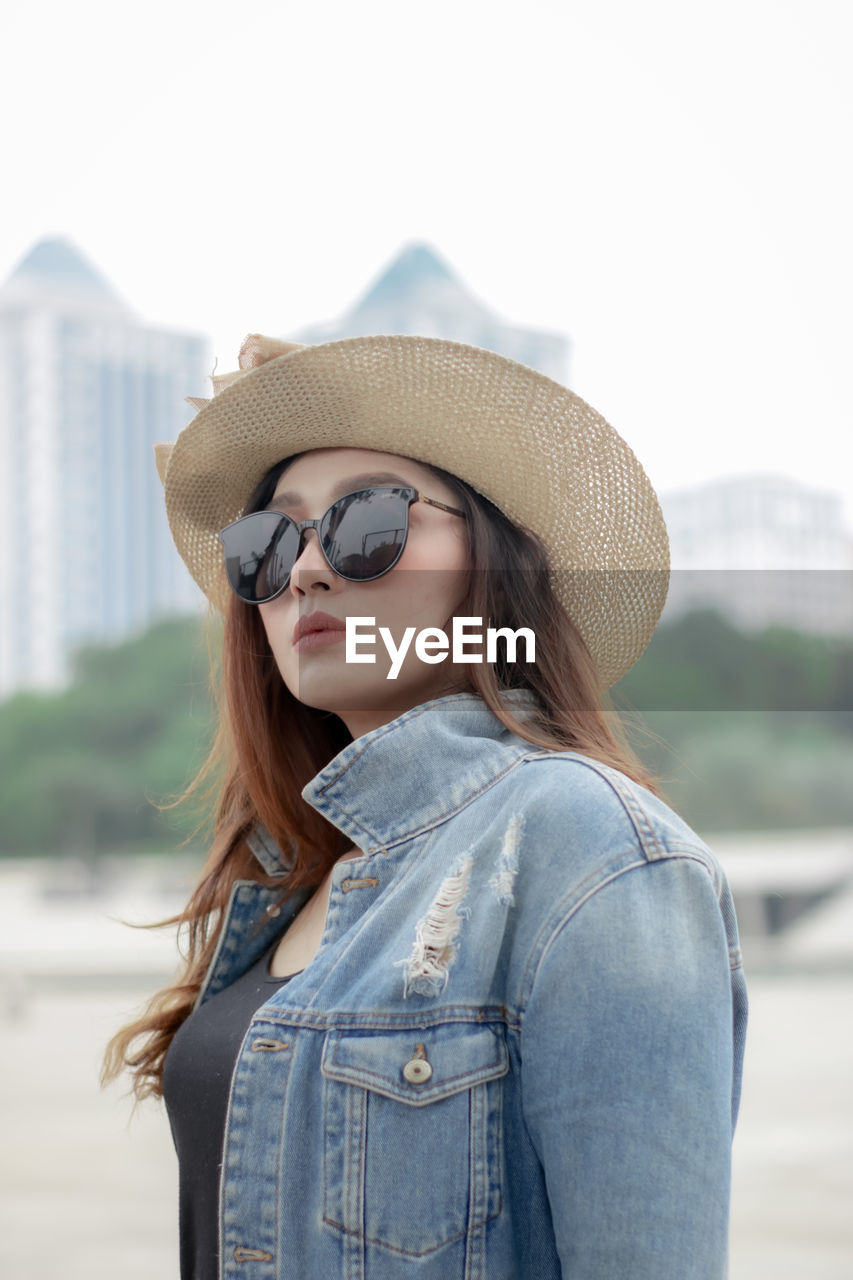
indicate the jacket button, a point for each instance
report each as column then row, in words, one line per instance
column 417, row 1071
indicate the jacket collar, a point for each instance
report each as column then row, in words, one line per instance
column 395, row 781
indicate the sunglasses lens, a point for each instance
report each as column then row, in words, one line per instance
column 364, row 533
column 260, row 551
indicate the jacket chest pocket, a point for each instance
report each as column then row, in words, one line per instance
column 413, row 1152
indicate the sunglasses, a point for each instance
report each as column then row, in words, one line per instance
column 362, row 536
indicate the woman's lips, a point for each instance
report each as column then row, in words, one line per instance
column 317, row 623
column 316, row 639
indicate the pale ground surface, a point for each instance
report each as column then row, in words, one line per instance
column 86, row 1193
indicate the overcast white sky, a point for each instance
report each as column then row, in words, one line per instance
column 668, row 183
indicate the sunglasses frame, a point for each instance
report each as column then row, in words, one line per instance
column 412, row 494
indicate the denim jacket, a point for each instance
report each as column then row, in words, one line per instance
column 517, row 1051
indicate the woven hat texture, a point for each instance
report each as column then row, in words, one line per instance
column 539, row 452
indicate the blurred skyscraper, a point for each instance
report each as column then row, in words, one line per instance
column 418, row 293
column 85, row 391
column 765, row 549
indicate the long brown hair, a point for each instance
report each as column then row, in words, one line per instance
column 269, row 745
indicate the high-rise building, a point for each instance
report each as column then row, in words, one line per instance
column 85, row 391
column 765, row 549
column 419, row 294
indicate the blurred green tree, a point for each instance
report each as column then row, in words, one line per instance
column 745, row 731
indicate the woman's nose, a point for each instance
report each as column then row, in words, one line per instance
column 310, row 559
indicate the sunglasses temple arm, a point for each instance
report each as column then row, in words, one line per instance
column 454, row 511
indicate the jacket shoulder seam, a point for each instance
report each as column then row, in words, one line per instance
column 636, row 813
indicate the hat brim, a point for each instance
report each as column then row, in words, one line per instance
column 539, row 452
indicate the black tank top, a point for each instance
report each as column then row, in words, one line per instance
column 196, row 1083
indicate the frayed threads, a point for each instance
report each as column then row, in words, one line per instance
column 504, row 878
column 427, row 969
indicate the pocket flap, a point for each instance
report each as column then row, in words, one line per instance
column 417, row 1066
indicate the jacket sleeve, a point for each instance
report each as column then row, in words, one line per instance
column 627, row 1075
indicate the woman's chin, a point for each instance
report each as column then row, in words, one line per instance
column 329, row 688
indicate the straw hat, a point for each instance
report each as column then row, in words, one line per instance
column 542, row 455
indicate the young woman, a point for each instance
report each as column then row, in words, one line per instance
column 463, row 996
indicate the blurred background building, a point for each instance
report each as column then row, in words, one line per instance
column 765, row 549
column 418, row 293
column 85, row 391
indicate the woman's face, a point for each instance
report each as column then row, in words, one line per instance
column 424, row 589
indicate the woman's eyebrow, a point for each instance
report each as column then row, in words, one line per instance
column 292, row 498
